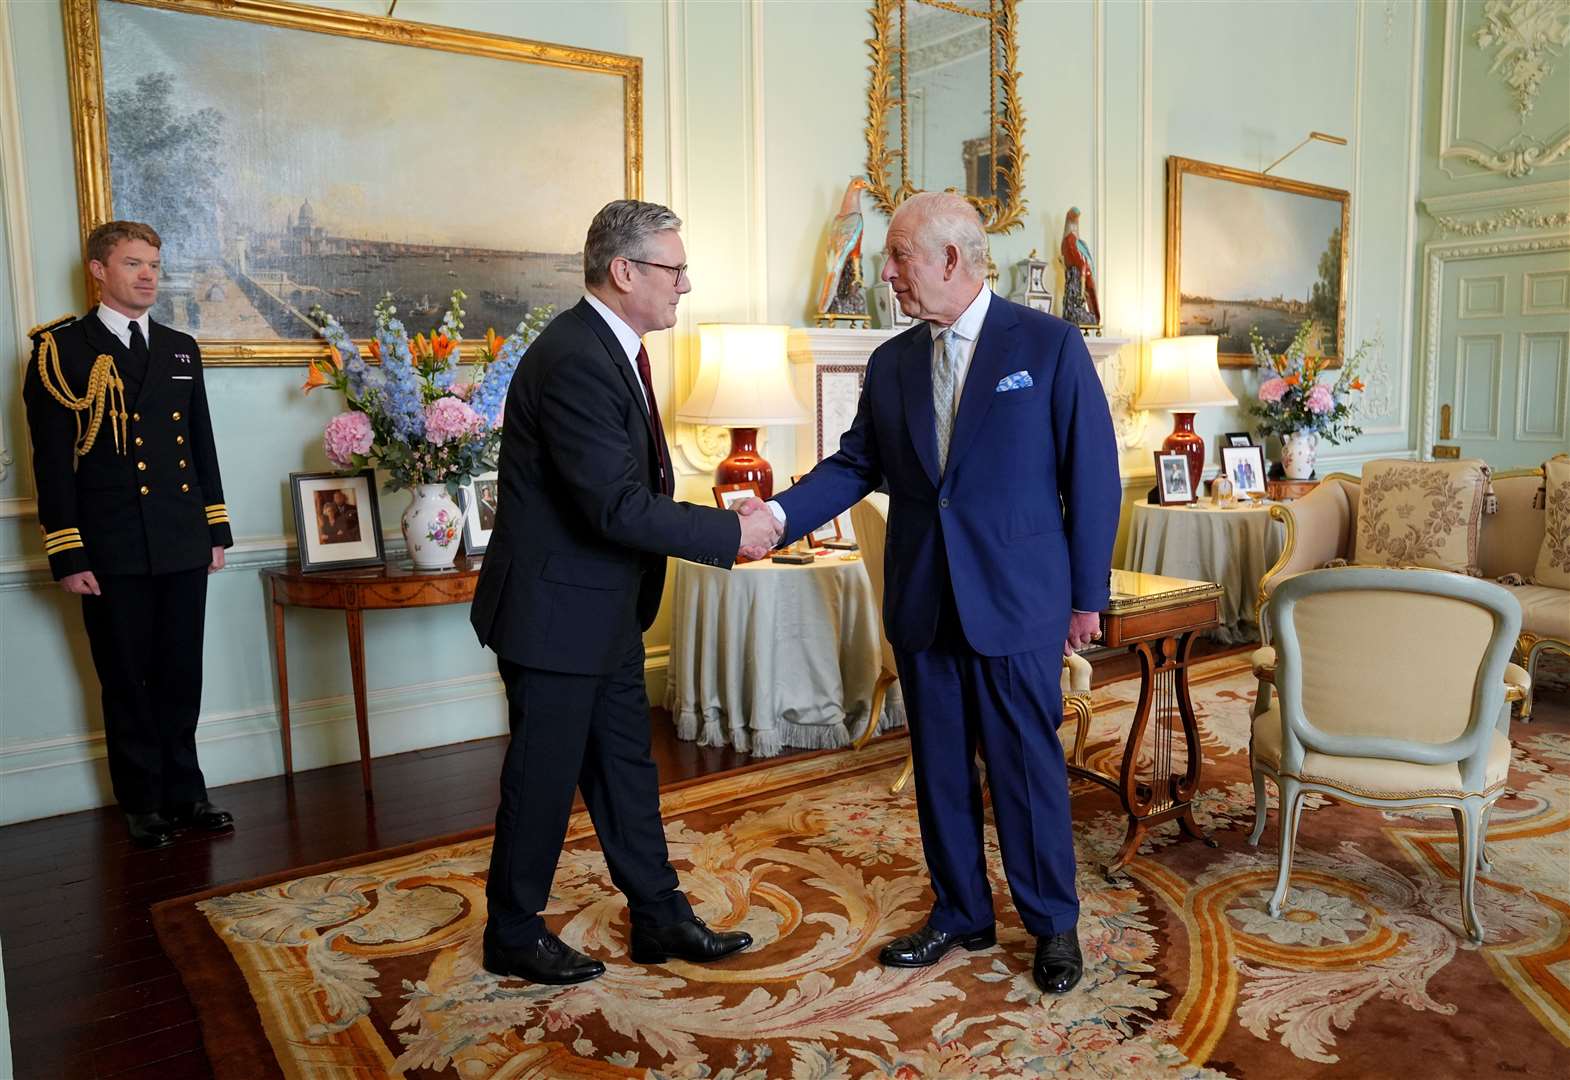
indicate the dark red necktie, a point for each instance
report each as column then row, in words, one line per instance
column 667, row 480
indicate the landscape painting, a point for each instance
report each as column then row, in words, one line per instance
column 279, row 182
column 1249, row 251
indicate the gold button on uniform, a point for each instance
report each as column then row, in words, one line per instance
column 177, row 416
column 185, row 487
column 141, row 466
column 137, row 417
column 179, row 440
column 138, row 440
column 144, row 489
column 182, row 463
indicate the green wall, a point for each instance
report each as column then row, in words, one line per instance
column 753, row 124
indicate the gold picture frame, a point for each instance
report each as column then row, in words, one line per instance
column 1002, row 206
column 1294, row 223
column 91, row 106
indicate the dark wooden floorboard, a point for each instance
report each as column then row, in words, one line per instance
column 90, row 992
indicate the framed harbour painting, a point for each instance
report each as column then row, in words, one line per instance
column 332, row 157
column 1249, row 251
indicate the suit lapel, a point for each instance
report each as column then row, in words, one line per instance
column 991, row 361
column 915, row 373
column 592, row 319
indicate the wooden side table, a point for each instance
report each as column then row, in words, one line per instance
column 1158, row 618
column 354, row 592
column 1281, row 490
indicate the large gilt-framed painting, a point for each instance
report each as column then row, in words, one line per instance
column 1246, row 250
column 294, row 156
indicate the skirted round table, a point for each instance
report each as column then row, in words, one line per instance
column 770, row 656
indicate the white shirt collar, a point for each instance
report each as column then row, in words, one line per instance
column 120, row 326
column 968, row 325
column 630, row 341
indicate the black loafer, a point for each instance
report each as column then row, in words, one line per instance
column 929, row 945
column 549, row 960
column 691, row 940
column 1058, row 965
column 150, row 830
column 199, row 815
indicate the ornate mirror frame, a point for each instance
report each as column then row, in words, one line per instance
column 888, row 90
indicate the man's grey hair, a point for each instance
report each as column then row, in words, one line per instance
column 622, row 228
column 943, row 218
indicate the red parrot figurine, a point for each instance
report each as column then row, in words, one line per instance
column 1080, row 304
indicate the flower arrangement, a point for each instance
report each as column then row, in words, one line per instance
column 415, row 418
column 1292, row 399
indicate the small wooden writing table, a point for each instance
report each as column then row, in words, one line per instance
column 354, row 592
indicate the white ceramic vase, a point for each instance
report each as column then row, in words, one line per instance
column 1297, row 455
column 431, row 524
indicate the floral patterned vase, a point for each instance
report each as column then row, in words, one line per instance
column 431, row 523
column 1297, row 455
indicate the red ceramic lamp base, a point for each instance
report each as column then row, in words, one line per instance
column 744, row 465
column 1185, row 441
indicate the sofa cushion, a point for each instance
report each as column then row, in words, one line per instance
column 1545, row 611
column 1553, row 558
column 1421, row 513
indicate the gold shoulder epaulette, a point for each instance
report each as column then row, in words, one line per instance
column 105, row 393
column 52, row 324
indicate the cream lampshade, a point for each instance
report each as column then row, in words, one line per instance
column 743, row 384
column 1182, row 375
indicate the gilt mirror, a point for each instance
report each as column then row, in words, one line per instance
column 943, row 109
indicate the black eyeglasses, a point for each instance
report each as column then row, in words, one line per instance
column 677, row 272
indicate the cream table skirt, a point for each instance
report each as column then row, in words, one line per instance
column 769, row 656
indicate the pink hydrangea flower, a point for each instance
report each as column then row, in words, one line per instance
column 448, row 418
column 1272, row 390
column 1319, row 399
column 347, row 434
column 461, row 390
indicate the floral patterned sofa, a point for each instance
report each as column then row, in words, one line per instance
column 1322, row 529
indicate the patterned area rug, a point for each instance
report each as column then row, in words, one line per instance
column 373, row 969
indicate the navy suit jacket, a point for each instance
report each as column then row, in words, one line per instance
column 1023, row 519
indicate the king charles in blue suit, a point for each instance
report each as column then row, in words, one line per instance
column 988, row 425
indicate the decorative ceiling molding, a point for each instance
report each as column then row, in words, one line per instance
column 1524, row 36
column 1523, row 209
column 1515, row 219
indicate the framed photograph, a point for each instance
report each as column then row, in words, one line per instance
column 272, row 197
column 1246, row 250
column 1238, row 438
column 1245, row 465
column 829, row 530
column 1172, row 483
column 477, row 500
column 728, row 495
column 336, row 520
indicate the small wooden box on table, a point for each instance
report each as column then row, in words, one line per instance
column 1159, row 619
column 354, row 592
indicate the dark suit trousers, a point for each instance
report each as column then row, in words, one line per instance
column 145, row 631
column 955, row 700
column 589, row 732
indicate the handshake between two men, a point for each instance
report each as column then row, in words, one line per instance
column 760, row 530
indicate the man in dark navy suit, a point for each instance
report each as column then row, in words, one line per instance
column 572, row 576
column 988, row 425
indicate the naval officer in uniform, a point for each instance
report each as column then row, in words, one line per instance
column 132, row 511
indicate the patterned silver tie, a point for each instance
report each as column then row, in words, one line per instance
column 943, row 394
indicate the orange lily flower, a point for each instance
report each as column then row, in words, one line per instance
column 335, row 356
column 1293, row 380
column 376, row 349
column 314, row 377
column 441, row 346
column 417, row 346
column 493, row 344
column 1357, row 384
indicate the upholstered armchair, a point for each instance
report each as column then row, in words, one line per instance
column 1322, row 526
column 1393, row 690
column 869, row 518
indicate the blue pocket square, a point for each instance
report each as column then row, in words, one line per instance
column 1020, row 380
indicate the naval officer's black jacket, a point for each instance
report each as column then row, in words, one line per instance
column 145, row 496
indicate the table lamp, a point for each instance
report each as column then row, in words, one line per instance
column 743, row 384
column 1182, row 376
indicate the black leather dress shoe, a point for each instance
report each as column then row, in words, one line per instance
column 929, row 945
column 691, row 940
column 1059, row 964
column 199, row 815
column 549, row 960
column 150, row 830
